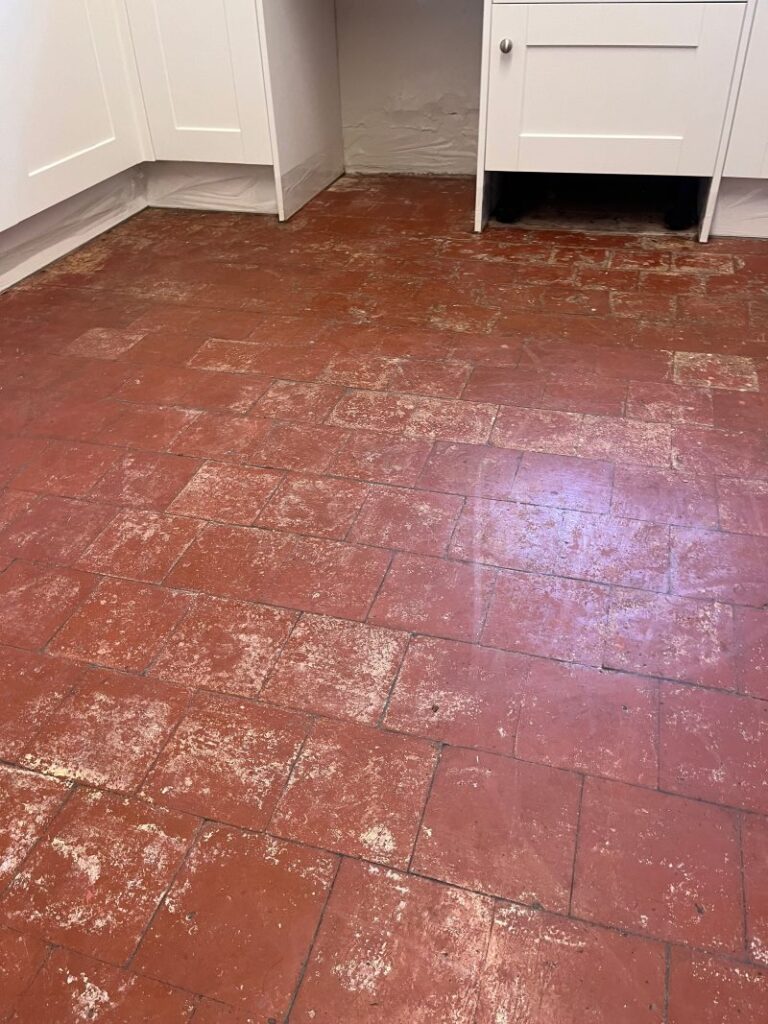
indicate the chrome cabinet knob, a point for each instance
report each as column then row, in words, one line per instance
column 505, row 46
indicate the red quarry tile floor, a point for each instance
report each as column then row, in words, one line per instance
column 385, row 782
column 244, row 906
column 384, row 623
column 543, row 967
column 503, row 827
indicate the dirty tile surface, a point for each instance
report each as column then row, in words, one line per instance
column 228, row 760
column 263, row 930
column 659, row 865
column 120, row 853
column 394, row 947
column 383, row 622
column 359, row 791
column 69, row 983
column 107, row 732
column 580, row 981
column 503, row 827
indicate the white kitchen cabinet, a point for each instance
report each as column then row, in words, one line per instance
column 202, row 79
column 90, row 88
column 71, row 106
column 244, row 82
column 612, row 88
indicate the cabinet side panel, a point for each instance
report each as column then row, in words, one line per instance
column 301, row 63
column 748, row 147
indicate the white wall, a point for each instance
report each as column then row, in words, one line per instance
column 410, row 84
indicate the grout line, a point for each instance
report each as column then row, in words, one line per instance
column 457, row 523
column 315, row 718
column 28, row 747
column 667, row 975
column 370, row 489
column 183, row 861
column 743, row 883
column 378, row 590
column 305, row 964
column 438, row 755
column 659, row 728
column 502, row 900
column 200, row 527
column 277, row 655
column 71, row 789
column 242, row 460
column 381, row 718
column 50, row 948
column 138, row 789
column 100, row 579
column 576, row 837
column 311, row 722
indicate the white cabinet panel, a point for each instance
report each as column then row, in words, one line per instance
column 635, row 88
column 748, row 147
column 75, row 115
column 303, row 97
column 202, row 78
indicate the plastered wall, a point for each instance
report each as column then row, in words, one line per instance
column 410, row 84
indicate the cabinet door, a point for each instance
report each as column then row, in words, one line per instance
column 72, row 108
column 201, row 75
column 614, row 88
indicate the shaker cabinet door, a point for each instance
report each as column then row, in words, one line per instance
column 70, row 101
column 614, row 88
column 202, row 78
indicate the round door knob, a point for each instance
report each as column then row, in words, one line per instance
column 505, row 46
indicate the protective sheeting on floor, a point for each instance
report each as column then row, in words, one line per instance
column 742, row 208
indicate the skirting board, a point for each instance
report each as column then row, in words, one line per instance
column 742, row 208
column 38, row 241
